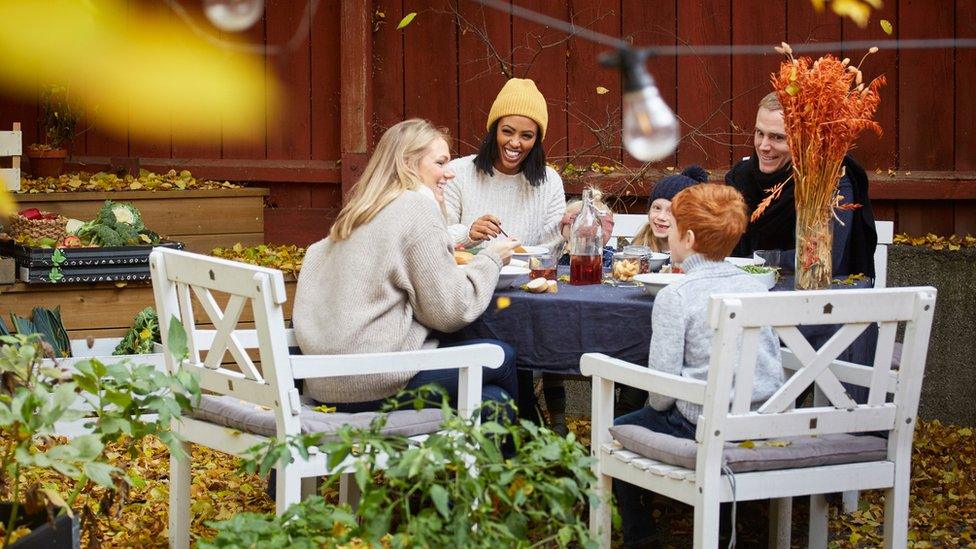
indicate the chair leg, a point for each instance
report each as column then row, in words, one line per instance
column 850, row 501
column 180, row 478
column 818, row 522
column 707, row 523
column 349, row 490
column 896, row 514
column 780, row 522
column 600, row 514
column 288, row 489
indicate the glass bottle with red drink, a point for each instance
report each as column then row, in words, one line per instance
column 586, row 244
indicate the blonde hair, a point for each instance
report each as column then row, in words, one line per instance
column 391, row 170
column 598, row 203
column 770, row 102
column 645, row 237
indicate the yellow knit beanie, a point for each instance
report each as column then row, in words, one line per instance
column 520, row 96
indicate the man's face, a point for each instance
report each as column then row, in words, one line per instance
column 770, row 141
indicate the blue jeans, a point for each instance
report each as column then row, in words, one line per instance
column 634, row 502
column 498, row 384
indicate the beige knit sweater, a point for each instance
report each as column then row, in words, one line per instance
column 382, row 289
column 528, row 213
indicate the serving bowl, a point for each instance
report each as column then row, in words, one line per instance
column 508, row 274
column 657, row 260
column 743, row 261
column 530, row 251
column 653, row 282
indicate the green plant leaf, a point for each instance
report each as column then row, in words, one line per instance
column 176, row 340
column 406, row 20
column 440, row 497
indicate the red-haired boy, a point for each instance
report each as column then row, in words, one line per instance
column 708, row 221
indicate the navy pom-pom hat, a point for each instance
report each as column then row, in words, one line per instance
column 671, row 185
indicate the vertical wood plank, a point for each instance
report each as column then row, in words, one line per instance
column 654, row 24
column 965, row 68
column 24, row 111
column 704, row 86
column 965, row 219
column 872, row 151
column 289, row 134
column 750, row 73
column 355, row 103
column 159, row 146
column 931, row 216
column 540, row 54
column 251, row 146
column 805, row 25
column 925, row 121
column 484, row 57
column 325, row 46
column 594, row 120
column 203, row 143
column 430, row 64
column 387, row 67
column 99, row 141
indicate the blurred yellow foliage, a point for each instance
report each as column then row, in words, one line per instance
column 140, row 73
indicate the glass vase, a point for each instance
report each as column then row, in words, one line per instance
column 814, row 244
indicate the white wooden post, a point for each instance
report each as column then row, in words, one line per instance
column 11, row 144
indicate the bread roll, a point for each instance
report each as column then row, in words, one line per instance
column 462, row 257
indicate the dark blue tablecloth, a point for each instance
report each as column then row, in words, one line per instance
column 550, row 332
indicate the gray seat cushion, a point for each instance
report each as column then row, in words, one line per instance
column 765, row 455
column 244, row 416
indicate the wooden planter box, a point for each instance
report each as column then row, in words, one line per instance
column 202, row 220
column 99, row 310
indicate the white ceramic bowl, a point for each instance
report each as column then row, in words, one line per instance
column 657, row 260
column 743, row 261
column 768, row 278
column 653, row 282
column 508, row 274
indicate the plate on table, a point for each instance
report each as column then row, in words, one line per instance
column 529, row 251
column 653, row 282
column 743, row 261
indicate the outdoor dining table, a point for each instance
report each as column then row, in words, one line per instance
column 550, row 332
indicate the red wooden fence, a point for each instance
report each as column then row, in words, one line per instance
column 450, row 61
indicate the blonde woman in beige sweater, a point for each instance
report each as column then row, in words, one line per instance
column 385, row 276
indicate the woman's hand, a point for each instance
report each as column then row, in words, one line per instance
column 485, row 227
column 504, row 248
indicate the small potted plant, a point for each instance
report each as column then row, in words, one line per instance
column 58, row 119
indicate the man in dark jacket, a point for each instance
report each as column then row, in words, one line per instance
column 855, row 236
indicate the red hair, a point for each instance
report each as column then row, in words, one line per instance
column 716, row 213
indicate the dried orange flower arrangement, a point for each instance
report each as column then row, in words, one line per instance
column 826, row 105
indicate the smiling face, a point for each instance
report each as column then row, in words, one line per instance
column 770, row 140
column 433, row 168
column 659, row 217
column 516, row 136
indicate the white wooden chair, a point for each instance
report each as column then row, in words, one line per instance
column 626, row 225
column 726, row 416
column 268, row 389
column 886, row 236
column 11, row 144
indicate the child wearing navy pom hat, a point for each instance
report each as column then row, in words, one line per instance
column 654, row 234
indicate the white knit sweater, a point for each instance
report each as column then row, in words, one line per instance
column 528, row 213
column 382, row 289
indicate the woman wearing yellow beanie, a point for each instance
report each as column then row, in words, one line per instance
column 507, row 184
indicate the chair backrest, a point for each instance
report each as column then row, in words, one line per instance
column 740, row 318
column 626, row 225
column 11, row 145
column 886, row 235
column 184, row 285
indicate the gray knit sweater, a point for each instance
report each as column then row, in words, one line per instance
column 528, row 213
column 681, row 340
column 382, row 289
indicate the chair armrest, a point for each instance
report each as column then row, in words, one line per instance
column 468, row 356
column 641, row 377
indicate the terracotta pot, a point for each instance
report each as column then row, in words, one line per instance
column 46, row 162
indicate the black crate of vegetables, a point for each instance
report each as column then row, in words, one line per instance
column 74, row 265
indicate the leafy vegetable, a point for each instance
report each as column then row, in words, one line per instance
column 46, row 323
column 758, row 269
column 117, row 224
column 141, row 336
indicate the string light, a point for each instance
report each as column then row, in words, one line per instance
column 233, row 15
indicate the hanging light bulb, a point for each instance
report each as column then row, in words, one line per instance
column 650, row 128
column 233, row 15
